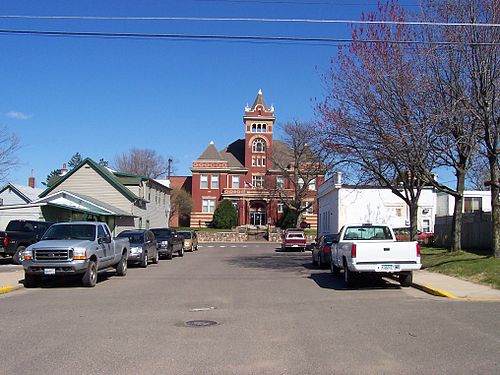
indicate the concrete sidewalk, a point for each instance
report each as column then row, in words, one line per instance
column 429, row 282
column 10, row 277
column 451, row 287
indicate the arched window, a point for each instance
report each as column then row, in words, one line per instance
column 254, row 128
column 259, row 145
column 263, row 128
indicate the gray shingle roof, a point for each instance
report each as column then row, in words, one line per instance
column 210, row 153
column 260, row 100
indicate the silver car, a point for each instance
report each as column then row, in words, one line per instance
column 143, row 247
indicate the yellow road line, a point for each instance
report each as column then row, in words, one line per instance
column 6, row 289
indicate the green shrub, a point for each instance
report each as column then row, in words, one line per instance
column 225, row 216
column 289, row 219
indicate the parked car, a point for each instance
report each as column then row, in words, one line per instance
column 322, row 251
column 18, row 235
column 143, row 246
column 75, row 248
column 190, row 239
column 403, row 234
column 294, row 239
column 169, row 242
column 372, row 248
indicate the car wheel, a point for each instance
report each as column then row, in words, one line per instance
column 314, row 262
column 348, row 276
column 89, row 278
column 17, row 258
column 144, row 262
column 170, row 251
column 181, row 252
column 406, row 279
column 196, row 248
column 121, row 268
column 156, row 258
column 321, row 265
column 31, row 281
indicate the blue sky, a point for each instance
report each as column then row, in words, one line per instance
column 102, row 97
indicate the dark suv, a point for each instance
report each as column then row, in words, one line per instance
column 18, row 235
column 169, row 242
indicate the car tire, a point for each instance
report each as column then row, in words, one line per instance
column 144, row 261
column 156, row 259
column 89, row 278
column 17, row 258
column 196, row 248
column 121, row 268
column 181, row 252
column 314, row 262
column 321, row 265
column 31, row 281
column 406, row 279
column 348, row 276
column 170, row 252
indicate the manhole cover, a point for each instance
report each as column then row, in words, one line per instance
column 201, row 323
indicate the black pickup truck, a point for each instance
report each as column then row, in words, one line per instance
column 18, row 235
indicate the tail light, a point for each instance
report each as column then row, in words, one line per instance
column 5, row 240
column 418, row 249
column 353, row 250
column 327, row 250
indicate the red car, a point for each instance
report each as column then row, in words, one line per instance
column 294, row 239
column 403, row 234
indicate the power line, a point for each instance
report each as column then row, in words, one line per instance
column 247, row 19
column 227, row 37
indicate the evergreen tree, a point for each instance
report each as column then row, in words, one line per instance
column 289, row 219
column 225, row 216
column 74, row 161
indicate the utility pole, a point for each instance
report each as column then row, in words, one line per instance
column 169, row 168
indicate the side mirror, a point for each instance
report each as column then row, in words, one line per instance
column 100, row 240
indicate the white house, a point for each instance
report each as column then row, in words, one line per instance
column 339, row 204
column 12, row 195
column 474, row 201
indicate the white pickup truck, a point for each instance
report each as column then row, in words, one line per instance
column 364, row 248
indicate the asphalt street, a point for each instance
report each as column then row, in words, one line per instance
column 274, row 312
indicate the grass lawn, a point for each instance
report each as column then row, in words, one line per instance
column 477, row 267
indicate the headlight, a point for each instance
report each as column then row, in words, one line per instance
column 164, row 243
column 79, row 254
column 136, row 250
column 27, row 255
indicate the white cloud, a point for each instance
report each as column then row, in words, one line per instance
column 18, row 115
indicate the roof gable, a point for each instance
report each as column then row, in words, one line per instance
column 103, row 172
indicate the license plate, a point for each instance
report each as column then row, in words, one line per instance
column 49, row 271
column 389, row 267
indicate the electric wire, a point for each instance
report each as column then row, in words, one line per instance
column 248, row 19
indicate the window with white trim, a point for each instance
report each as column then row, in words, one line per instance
column 235, row 182
column 301, row 182
column 215, row 181
column 310, row 209
column 204, row 181
column 312, row 184
column 259, row 145
column 281, row 208
column 257, row 181
column 208, row 205
column 280, row 182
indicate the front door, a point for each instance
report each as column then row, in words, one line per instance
column 258, row 217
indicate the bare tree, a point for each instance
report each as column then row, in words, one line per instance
column 181, row 202
column 143, row 162
column 456, row 132
column 298, row 161
column 374, row 116
column 9, row 144
column 478, row 174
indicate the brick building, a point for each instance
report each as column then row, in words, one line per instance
column 243, row 173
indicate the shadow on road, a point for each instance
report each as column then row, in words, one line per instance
column 72, row 281
column 280, row 261
column 365, row 282
column 4, row 261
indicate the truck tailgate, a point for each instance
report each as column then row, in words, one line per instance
column 386, row 252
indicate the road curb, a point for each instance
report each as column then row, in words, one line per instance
column 434, row 291
column 442, row 293
column 7, row 289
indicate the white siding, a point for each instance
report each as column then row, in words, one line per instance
column 32, row 213
column 9, row 197
column 446, row 202
column 87, row 181
column 342, row 205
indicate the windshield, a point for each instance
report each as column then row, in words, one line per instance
column 295, row 235
column 133, row 237
column 70, row 232
column 162, row 232
column 330, row 238
column 185, row 235
column 368, row 233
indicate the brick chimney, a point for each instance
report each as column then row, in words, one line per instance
column 31, row 181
